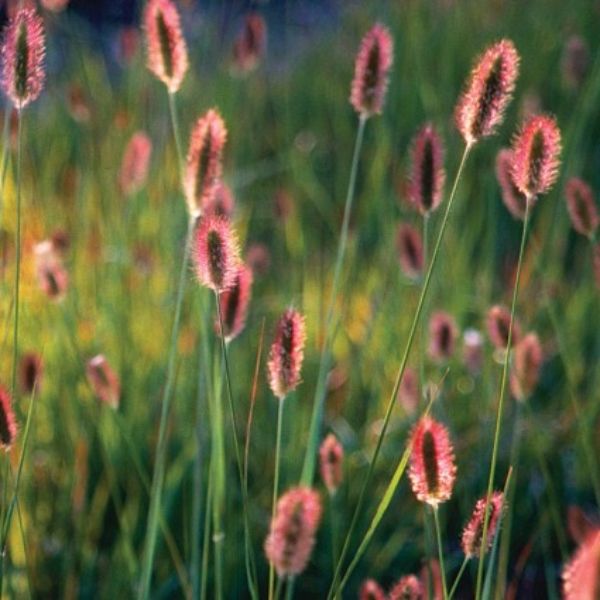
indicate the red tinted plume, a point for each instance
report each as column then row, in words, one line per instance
column 8, row 423
column 581, row 576
column 371, row 590
column 582, row 207
column 408, row 391
column 427, row 174
column 536, row 150
column 331, row 455
column 135, row 163
column 167, row 51
column 373, row 63
column 481, row 107
column 473, row 532
column 249, row 46
column 432, row 469
column 234, row 303
column 410, row 250
column 292, row 535
column 473, row 350
column 442, row 336
column 514, row 200
column 287, row 353
column 104, row 381
column 498, row 324
column 526, row 367
column 31, row 369
column 408, row 587
column 23, row 51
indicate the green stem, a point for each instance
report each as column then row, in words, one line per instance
column 289, row 592
column 276, row 487
column 206, row 540
column 503, row 383
column 438, row 536
column 308, row 469
column 176, row 135
column 458, row 577
column 424, row 321
column 392, row 400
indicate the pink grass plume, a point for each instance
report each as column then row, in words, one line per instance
column 443, row 332
column 581, row 575
column 371, row 590
column 371, row 71
column 222, row 202
column 104, row 381
column 216, row 253
column 8, row 421
column 52, row 276
column 473, row 532
column 166, row 47
column 287, row 353
column 408, row 391
column 250, row 45
column 408, row 587
column 23, row 51
column 535, row 152
column 527, row 362
column 432, row 469
column 409, row 246
column 203, row 166
column 498, row 324
column 514, row 200
column 473, row 350
column 427, row 174
column 135, row 163
column 292, row 534
column 582, row 207
column 235, row 302
column 481, row 107
column 31, row 369
column 575, row 61
column 331, row 455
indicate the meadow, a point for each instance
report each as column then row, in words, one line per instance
column 147, row 447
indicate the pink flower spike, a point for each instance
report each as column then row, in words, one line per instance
column 581, row 575
column 408, row 587
column 8, row 422
column 371, row 590
column 216, row 253
column 234, row 303
column 427, row 176
column 249, row 47
column 498, row 324
column 204, row 162
column 410, row 250
column 104, row 381
column 135, row 163
column 31, row 369
column 373, row 63
column 481, row 107
column 23, row 51
column 473, row 350
column 526, row 367
column 52, row 277
column 287, row 353
column 331, row 454
column 473, row 532
column 222, row 202
column 514, row 200
column 432, row 469
column 582, row 207
column 167, row 51
column 442, row 336
column 292, row 535
column 408, row 392
column 536, row 150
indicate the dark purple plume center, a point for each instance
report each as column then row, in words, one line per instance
column 22, row 60
column 231, row 310
column 292, row 534
column 204, row 161
column 6, row 435
column 411, row 252
column 164, row 39
column 489, row 99
column 287, row 347
column 215, row 257
column 371, row 76
column 445, row 338
column 30, row 374
column 537, row 158
column 427, row 175
column 430, row 462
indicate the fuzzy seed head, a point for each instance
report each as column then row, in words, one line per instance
column 250, row 45
column 222, row 203
column 410, row 250
column 481, row 107
column 31, row 369
column 167, row 50
column 216, row 253
column 371, row 71
column 331, row 455
column 287, row 353
column 536, row 151
column 408, row 587
column 581, row 575
column 104, row 381
column 498, row 325
column 234, row 303
column 135, row 163
column 204, row 162
column 473, row 532
column 292, row 535
column 473, row 350
column 432, row 469
column 514, row 200
column 526, row 367
column 408, row 391
column 8, row 422
column 582, row 207
column 575, row 61
column 23, row 51
column 371, row 590
column 52, row 277
column 427, row 176
column 442, row 336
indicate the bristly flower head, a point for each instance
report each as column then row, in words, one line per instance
column 514, row 199
column 481, row 107
column 292, row 535
column 204, row 161
column 473, row 532
column 216, row 253
column 287, row 353
column 536, row 150
column 222, row 202
column 8, row 423
column 582, row 208
column 234, row 303
column 427, row 174
column 250, row 44
column 331, row 454
column 410, row 250
column 432, row 469
column 373, row 62
column 23, row 51
column 104, row 381
column 31, row 369
column 498, row 324
column 581, row 575
column 52, row 276
column 371, row 590
column 442, row 336
column 135, row 163
column 167, row 51
column 408, row 587
column 526, row 367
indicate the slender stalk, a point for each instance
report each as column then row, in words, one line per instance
column 289, row 592
column 308, row 469
column 438, row 535
column 424, row 322
column 176, row 135
column 276, row 487
column 249, row 557
column 458, row 577
column 404, row 360
column 206, row 540
column 501, row 404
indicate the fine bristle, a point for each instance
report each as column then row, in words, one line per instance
column 408, row 587
column 331, row 455
column 473, row 532
column 135, row 163
column 235, row 302
column 410, row 250
column 581, row 575
column 582, row 207
column 514, row 200
column 8, row 422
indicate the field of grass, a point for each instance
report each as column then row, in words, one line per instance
column 78, row 525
